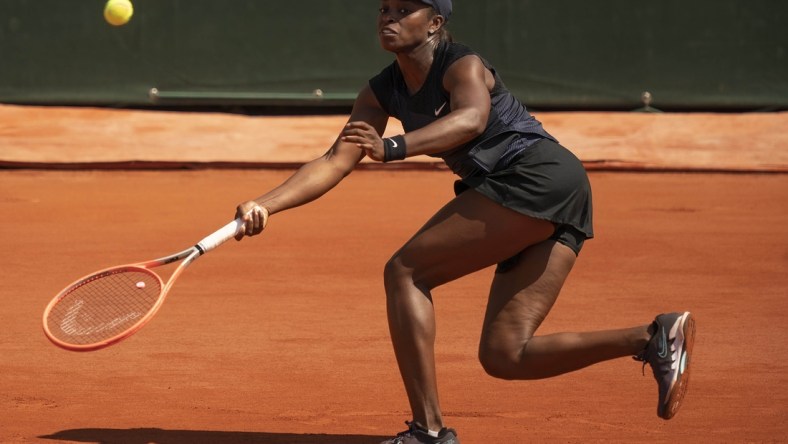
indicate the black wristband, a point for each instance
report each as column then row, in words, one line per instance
column 394, row 148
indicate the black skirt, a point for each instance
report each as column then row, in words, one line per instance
column 544, row 181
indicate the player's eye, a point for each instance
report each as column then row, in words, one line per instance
column 402, row 11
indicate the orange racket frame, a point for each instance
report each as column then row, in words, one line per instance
column 57, row 332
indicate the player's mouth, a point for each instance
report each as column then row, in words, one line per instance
column 387, row 31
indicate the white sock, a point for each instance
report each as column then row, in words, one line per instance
column 433, row 434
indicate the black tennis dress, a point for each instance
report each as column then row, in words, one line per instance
column 515, row 162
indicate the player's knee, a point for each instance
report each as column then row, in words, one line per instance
column 403, row 274
column 394, row 273
column 500, row 363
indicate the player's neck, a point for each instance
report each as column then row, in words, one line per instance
column 416, row 63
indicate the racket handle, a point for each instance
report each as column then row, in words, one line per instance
column 221, row 236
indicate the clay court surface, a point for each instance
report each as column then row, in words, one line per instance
column 282, row 339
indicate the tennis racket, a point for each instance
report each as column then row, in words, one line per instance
column 110, row 305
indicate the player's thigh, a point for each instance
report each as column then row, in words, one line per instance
column 470, row 233
column 521, row 298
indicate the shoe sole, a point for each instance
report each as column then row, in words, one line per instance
column 684, row 341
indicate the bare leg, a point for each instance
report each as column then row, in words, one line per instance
column 468, row 234
column 520, row 300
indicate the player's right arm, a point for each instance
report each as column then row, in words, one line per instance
column 318, row 176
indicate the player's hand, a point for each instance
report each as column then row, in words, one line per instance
column 364, row 136
column 254, row 217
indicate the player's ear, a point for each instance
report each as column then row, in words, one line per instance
column 436, row 24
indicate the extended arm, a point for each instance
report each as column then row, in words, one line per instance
column 318, row 176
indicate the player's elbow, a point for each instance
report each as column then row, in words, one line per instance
column 473, row 123
column 343, row 169
column 340, row 166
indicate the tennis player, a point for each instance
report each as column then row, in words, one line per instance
column 522, row 202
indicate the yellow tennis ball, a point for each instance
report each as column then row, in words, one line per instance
column 118, row 12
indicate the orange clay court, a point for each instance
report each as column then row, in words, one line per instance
column 282, row 338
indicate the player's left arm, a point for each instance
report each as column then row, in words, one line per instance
column 468, row 83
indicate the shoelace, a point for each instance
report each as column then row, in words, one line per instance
column 641, row 357
column 402, row 435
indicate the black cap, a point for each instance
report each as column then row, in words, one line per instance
column 443, row 7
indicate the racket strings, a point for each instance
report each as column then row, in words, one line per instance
column 104, row 305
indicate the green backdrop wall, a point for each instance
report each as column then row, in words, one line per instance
column 571, row 54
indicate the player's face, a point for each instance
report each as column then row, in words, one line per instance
column 403, row 24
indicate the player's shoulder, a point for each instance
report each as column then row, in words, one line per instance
column 458, row 48
column 384, row 84
column 453, row 51
column 386, row 74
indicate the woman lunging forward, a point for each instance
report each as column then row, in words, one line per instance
column 522, row 202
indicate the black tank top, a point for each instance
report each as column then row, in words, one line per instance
column 510, row 128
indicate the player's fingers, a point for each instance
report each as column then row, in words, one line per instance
column 259, row 215
column 251, row 224
column 358, row 124
column 258, row 220
column 244, row 212
column 354, row 138
column 363, row 142
column 359, row 142
column 248, row 226
column 264, row 214
column 358, row 129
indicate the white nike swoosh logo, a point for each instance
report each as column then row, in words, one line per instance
column 438, row 111
column 663, row 345
column 393, row 143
